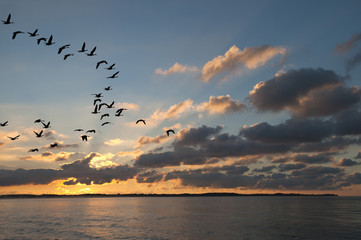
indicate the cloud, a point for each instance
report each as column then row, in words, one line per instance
column 145, row 140
column 128, row 106
column 79, row 171
column 346, row 162
column 349, row 44
column 114, row 142
column 292, row 130
column 297, row 91
column 264, row 169
column 234, row 58
column 174, row 111
column 358, row 156
column 221, row 105
column 176, row 68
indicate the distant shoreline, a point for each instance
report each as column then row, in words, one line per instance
column 12, row 196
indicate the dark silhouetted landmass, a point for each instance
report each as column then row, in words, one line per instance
column 165, row 195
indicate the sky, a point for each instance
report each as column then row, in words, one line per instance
column 262, row 96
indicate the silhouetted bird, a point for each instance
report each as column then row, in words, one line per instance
column 97, row 95
column 84, row 137
column 108, row 88
column 97, row 100
column 41, row 39
column 90, row 131
column 92, row 52
column 63, row 47
column 170, row 131
column 140, row 120
column 34, row 150
column 7, row 20
column 46, row 125
column 68, row 55
column 38, row 121
column 107, row 105
column 104, row 115
column 111, row 67
column 39, row 134
column 79, row 130
column 103, row 61
column 95, row 110
column 33, row 34
column 4, row 124
column 54, row 145
column 50, row 41
column 16, row 33
column 83, row 48
column 119, row 112
column 14, row 138
column 105, row 123
column 114, row 75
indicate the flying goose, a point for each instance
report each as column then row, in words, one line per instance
column 46, row 125
column 100, row 62
column 34, row 150
column 170, row 131
column 4, row 124
column 92, row 52
column 16, row 33
column 50, row 41
column 114, row 75
column 33, row 34
column 14, row 138
column 140, row 120
column 7, row 20
column 83, row 48
column 111, row 67
column 63, row 47
column 68, row 55
column 39, row 134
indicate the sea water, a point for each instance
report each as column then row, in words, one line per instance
column 291, row 217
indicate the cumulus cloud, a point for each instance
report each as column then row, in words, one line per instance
column 145, row 140
column 176, row 68
column 346, row 162
column 79, row 171
column 174, row 111
column 128, row 106
column 221, row 105
column 234, row 59
column 292, row 130
column 349, row 44
column 297, row 90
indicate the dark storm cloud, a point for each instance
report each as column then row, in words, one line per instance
column 348, row 122
column 149, row 177
column 291, row 166
column 327, row 101
column 285, row 90
column 313, row 159
column 333, row 144
column 293, row 130
column 349, row 44
column 305, row 178
column 346, row 162
column 207, row 144
column 79, row 169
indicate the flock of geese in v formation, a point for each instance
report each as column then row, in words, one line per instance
column 98, row 104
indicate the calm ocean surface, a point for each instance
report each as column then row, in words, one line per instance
column 182, row 218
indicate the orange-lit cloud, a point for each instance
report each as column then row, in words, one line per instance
column 114, row 142
column 128, row 106
column 174, row 112
column 234, row 58
column 221, row 105
column 145, row 140
column 176, row 68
